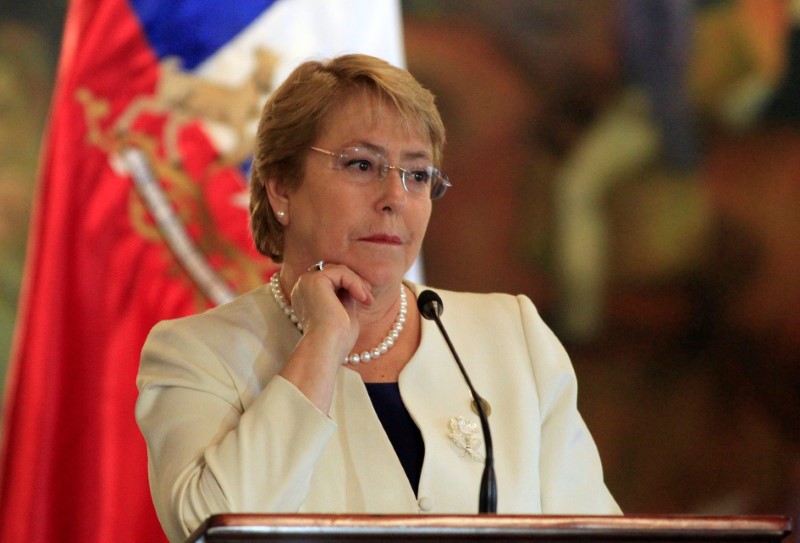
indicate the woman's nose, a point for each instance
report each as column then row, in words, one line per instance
column 394, row 193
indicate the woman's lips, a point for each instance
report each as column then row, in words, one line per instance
column 384, row 238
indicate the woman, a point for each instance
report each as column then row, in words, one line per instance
column 325, row 391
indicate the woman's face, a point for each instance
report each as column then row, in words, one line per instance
column 377, row 228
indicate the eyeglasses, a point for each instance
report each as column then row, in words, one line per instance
column 363, row 166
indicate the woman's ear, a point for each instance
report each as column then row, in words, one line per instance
column 278, row 197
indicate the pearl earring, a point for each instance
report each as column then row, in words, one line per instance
column 281, row 214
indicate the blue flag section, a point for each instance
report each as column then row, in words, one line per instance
column 194, row 30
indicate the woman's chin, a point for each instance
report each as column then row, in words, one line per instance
column 379, row 274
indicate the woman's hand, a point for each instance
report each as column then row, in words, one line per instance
column 326, row 302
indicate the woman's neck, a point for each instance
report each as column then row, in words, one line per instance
column 388, row 367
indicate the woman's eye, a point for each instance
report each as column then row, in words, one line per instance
column 360, row 164
column 420, row 176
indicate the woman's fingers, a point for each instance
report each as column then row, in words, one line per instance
column 342, row 278
column 359, row 289
column 330, row 297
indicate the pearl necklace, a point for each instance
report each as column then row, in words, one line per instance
column 353, row 358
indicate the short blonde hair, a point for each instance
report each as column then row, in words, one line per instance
column 292, row 118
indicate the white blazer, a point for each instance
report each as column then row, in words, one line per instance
column 226, row 434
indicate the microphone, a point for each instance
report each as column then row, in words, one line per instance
column 431, row 307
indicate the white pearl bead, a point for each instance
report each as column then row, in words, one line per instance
column 365, row 356
column 394, row 335
column 376, row 352
column 354, row 358
column 383, row 347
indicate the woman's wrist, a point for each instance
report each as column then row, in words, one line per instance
column 313, row 365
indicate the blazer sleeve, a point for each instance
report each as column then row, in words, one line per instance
column 570, row 469
column 207, row 453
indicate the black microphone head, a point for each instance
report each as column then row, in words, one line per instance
column 430, row 304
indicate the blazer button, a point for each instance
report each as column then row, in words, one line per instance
column 425, row 503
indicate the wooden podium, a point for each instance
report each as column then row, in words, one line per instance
column 239, row 528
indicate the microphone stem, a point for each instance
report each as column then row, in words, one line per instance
column 488, row 498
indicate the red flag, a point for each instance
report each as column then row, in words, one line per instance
column 140, row 216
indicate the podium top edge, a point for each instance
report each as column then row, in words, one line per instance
column 731, row 525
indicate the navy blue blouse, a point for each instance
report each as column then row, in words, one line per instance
column 399, row 426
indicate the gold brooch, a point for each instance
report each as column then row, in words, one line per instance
column 487, row 408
